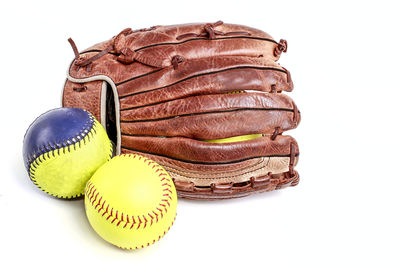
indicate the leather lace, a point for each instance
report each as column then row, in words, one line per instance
column 176, row 60
column 210, row 32
column 127, row 56
column 281, row 47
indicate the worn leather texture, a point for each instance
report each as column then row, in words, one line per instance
column 176, row 87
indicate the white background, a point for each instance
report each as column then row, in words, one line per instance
column 344, row 59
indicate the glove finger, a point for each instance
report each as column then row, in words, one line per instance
column 248, row 46
column 204, row 77
column 213, row 116
column 192, row 69
column 179, row 148
column 208, row 104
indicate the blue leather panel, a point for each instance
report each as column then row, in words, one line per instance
column 54, row 129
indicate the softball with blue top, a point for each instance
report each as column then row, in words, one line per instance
column 63, row 148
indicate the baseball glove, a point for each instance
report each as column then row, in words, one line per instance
column 203, row 100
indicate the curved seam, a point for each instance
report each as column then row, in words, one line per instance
column 99, row 204
column 89, row 124
column 63, row 150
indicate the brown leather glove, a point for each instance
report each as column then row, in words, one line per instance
column 203, row 100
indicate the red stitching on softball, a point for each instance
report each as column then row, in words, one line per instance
column 120, row 220
column 166, row 200
column 156, row 215
column 152, row 218
column 92, row 195
column 91, row 188
column 154, row 240
column 108, row 205
column 95, row 198
column 165, row 207
column 161, row 212
column 93, row 192
column 165, row 178
column 133, row 222
column 111, row 214
column 145, row 221
column 99, row 204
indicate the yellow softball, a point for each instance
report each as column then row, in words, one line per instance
column 63, row 148
column 131, row 201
